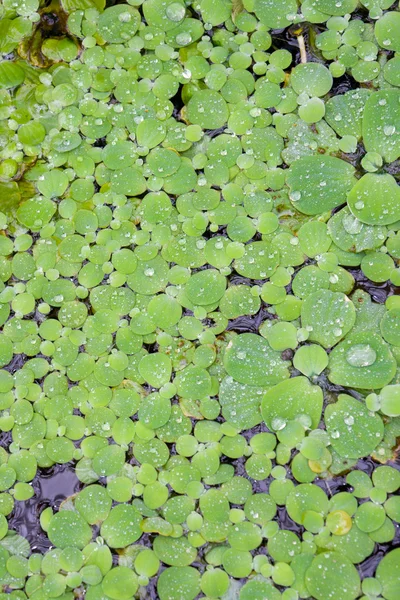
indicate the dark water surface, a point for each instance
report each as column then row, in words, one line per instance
column 52, row 486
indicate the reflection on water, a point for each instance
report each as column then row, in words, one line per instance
column 52, row 486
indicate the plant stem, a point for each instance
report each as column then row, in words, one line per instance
column 302, row 46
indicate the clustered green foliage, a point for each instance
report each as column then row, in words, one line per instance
column 185, row 200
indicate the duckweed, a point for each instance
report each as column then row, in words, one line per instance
column 200, row 325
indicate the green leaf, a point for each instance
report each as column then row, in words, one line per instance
column 381, row 124
column 388, row 574
column 249, row 359
column 328, row 316
column 353, row 430
column 290, row 399
column 363, row 360
column 275, row 13
column 344, row 112
column 331, row 575
column 319, row 183
column 375, row 199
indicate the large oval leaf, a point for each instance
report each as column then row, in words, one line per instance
column 250, row 359
column 240, row 403
column 351, row 235
column 333, row 7
column 375, row 199
column 344, row 113
column 388, row 574
column 328, row 316
column 176, row 552
column 289, row 399
column 11, row 74
column 381, row 124
column 332, row 576
column 363, row 360
column 353, row 429
column 319, row 183
column 275, row 13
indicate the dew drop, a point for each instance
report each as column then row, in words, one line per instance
column 351, row 224
column 175, row 12
column 295, row 196
column 389, row 129
column 278, row 424
column 361, row 355
column 125, row 17
column 183, row 39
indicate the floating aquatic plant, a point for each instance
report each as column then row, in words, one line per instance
column 199, row 254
